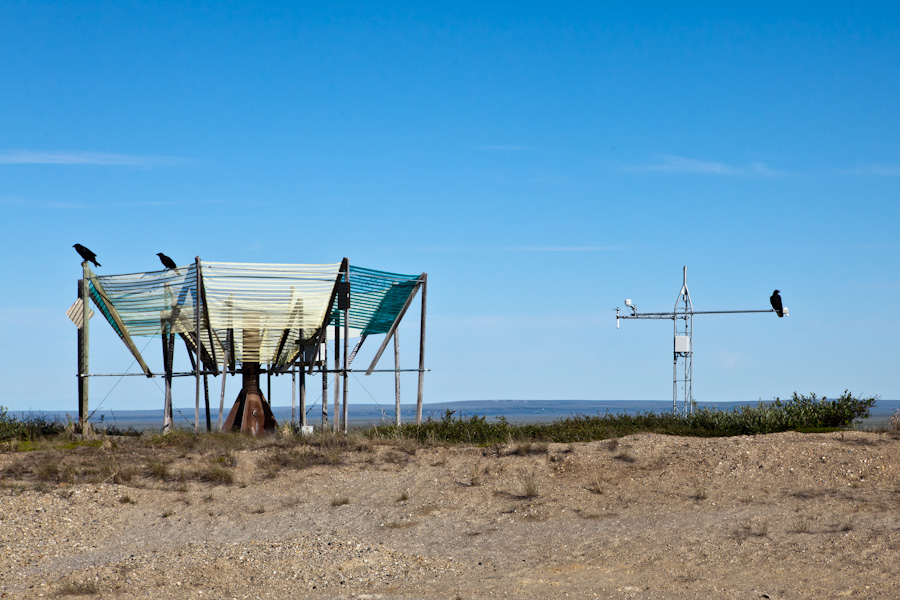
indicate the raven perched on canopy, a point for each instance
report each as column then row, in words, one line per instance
column 166, row 261
column 86, row 254
column 775, row 299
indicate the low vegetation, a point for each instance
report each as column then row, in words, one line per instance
column 803, row 413
column 27, row 428
column 45, row 452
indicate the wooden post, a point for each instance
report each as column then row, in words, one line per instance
column 209, row 329
column 206, row 396
column 324, row 387
column 269, row 384
column 302, row 397
column 337, row 380
column 397, row 374
column 167, row 381
column 83, row 358
column 346, row 349
column 421, row 352
column 293, row 396
column 168, row 348
column 225, row 361
column 168, row 342
column 198, row 347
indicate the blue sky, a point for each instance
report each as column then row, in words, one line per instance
column 541, row 163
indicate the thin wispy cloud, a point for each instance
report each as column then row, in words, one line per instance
column 670, row 163
column 139, row 203
column 874, row 170
column 68, row 205
column 519, row 248
column 560, row 248
column 106, row 159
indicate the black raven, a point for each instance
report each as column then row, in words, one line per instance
column 775, row 299
column 166, row 261
column 86, row 254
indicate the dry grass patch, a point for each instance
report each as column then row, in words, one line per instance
column 596, row 486
column 690, row 575
column 47, row 469
column 530, row 487
column 216, row 474
column 76, row 587
column 535, row 517
column 625, row 456
column 157, row 469
column 16, row 469
column 894, row 423
column 802, row 526
column 283, row 458
column 475, row 474
column 427, row 509
column 332, row 456
column 590, row 515
column 396, row 458
column 401, row 524
column 528, row 448
column 109, row 468
column 752, row 529
column 477, row 533
column 226, row 459
column 409, row 446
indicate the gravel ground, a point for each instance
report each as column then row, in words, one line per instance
column 779, row 516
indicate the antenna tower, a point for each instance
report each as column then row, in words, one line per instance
column 682, row 364
column 682, row 317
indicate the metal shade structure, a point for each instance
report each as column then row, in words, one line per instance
column 248, row 318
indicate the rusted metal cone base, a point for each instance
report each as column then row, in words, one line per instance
column 251, row 413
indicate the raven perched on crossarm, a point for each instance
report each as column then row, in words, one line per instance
column 775, row 299
column 166, row 261
column 86, row 254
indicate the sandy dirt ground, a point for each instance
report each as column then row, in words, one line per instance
column 648, row 516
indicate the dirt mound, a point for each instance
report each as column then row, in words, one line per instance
column 779, row 516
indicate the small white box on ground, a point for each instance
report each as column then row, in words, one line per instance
column 306, row 430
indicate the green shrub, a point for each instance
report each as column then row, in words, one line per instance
column 28, row 428
column 806, row 413
column 475, row 430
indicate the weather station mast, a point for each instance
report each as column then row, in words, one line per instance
column 682, row 318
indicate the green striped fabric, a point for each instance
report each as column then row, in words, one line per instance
column 376, row 299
